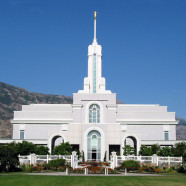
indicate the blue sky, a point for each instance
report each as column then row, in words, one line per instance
column 44, row 43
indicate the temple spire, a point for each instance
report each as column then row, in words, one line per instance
column 95, row 14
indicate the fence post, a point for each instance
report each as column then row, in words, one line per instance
column 169, row 161
column 73, row 160
column 155, row 159
column 85, row 171
column 32, row 158
column 125, row 171
column 114, row 159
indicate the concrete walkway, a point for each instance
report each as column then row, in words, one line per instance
column 71, row 174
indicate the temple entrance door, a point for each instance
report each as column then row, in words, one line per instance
column 94, row 146
column 94, row 155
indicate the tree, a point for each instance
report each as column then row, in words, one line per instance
column 42, row 150
column 26, row 148
column 155, row 148
column 165, row 151
column 128, row 150
column 8, row 158
column 145, row 151
column 105, row 157
column 63, row 149
column 179, row 149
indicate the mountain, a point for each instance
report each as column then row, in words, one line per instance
column 181, row 121
column 181, row 129
column 12, row 98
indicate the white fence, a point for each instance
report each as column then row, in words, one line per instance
column 169, row 160
column 33, row 158
column 141, row 159
column 116, row 161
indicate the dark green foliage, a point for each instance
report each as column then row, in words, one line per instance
column 105, row 157
column 165, row 151
column 63, row 149
column 145, row 151
column 184, row 156
column 179, row 149
column 8, row 159
column 26, row 148
column 83, row 156
column 42, row 150
column 128, row 150
column 57, row 163
column 155, row 148
column 130, row 165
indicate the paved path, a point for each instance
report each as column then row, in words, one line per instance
column 64, row 174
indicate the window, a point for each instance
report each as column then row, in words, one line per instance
column 22, row 134
column 94, row 114
column 166, row 135
column 94, row 78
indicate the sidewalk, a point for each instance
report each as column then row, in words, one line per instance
column 71, row 174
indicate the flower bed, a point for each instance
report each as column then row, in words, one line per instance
column 43, row 168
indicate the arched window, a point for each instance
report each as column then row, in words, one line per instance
column 94, row 114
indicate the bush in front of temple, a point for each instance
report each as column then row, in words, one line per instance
column 130, row 165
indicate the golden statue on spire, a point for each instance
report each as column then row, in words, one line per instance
column 95, row 14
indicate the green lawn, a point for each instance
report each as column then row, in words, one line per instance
column 170, row 180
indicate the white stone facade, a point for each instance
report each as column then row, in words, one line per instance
column 113, row 123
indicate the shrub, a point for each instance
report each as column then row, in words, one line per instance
column 26, row 148
column 179, row 148
column 57, row 163
column 8, row 159
column 165, row 151
column 105, row 157
column 145, row 151
column 128, row 150
column 155, row 148
column 83, row 156
column 130, row 165
column 63, row 149
column 42, row 150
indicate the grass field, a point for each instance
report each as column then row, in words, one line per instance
column 18, row 180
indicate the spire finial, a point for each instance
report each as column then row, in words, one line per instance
column 95, row 14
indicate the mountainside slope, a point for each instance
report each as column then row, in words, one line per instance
column 11, row 99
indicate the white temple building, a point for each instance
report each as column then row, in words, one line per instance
column 95, row 123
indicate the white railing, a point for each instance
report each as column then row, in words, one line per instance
column 25, row 159
column 116, row 161
column 169, row 160
column 47, row 158
column 141, row 159
column 33, row 159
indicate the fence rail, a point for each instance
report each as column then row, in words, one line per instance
column 116, row 161
column 33, row 158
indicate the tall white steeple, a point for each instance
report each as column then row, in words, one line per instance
column 94, row 83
